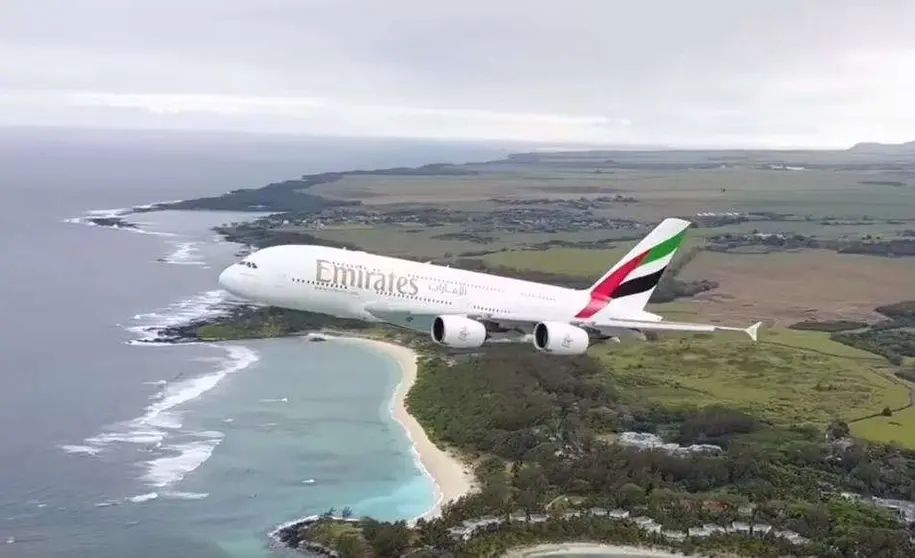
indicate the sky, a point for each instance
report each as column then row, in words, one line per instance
column 778, row 73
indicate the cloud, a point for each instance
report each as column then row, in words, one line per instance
column 699, row 73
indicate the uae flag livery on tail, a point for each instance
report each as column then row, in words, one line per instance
column 628, row 285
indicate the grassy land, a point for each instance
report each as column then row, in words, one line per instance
column 819, row 341
column 898, row 428
column 808, row 379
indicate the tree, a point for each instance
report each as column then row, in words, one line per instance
column 631, row 495
column 838, row 429
column 387, row 539
column 351, row 545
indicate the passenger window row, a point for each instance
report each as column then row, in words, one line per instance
column 395, row 295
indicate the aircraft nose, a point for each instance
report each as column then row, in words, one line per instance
column 229, row 279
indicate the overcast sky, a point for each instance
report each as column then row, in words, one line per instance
column 703, row 72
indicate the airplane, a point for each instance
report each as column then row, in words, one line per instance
column 465, row 309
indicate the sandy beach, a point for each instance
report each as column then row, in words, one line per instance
column 590, row 549
column 452, row 478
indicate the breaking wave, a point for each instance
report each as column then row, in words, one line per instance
column 176, row 452
column 171, row 451
column 148, row 326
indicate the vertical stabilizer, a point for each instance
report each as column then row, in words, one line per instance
column 627, row 286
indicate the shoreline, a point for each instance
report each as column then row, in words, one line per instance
column 595, row 549
column 450, row 476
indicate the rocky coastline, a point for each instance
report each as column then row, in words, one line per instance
column 235, row 321
column 111, row 222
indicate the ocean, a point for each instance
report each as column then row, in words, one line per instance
column 112, row 447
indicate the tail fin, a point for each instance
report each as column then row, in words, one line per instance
column 628, row 285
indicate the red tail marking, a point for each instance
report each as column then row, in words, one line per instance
column 601, row 294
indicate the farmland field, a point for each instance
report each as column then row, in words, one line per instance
column 789, row 287
column 781, row 383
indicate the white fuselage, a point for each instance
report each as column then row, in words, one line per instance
column 343, row 283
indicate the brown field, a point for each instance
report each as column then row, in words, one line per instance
column 788, row 287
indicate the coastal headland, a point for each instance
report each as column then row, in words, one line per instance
column 801, row 444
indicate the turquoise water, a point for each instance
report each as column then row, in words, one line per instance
column 306, row 428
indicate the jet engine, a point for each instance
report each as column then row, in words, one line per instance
column 560, row 338
column 458, row 332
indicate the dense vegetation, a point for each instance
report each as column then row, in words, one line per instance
column 893, row 338
column 254, row 322
column 551, row 418
column 869, row 245
column 262, row 234
column 290, row 195
column 543, row 431
column 829, row 326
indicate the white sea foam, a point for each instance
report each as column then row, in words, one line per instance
column 148, row 325
column 152, row 205
column 185, row 495
column 159, row 430
column 86, row 219
column 184, row 253
column 155, row 495
column 85, row 450
column 186, row 457
column 143, row 497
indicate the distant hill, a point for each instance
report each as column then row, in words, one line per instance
column 874, row 148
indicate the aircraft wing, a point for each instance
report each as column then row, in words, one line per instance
column 608, row 325
column 422, row 321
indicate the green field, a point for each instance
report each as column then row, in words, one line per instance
column 807, row 380
column 899, row 428
column 817, row 341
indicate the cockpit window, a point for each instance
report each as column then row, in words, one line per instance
column 246, row 263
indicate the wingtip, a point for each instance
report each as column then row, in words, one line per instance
column 753, row 331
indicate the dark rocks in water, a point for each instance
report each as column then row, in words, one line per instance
column 316, row 339
column 112, row 222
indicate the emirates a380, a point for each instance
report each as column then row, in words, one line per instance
column 465, row 309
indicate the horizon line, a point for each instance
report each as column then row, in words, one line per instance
column 542, row 146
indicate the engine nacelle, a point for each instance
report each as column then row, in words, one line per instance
column 560, row 338
column 458, row 332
